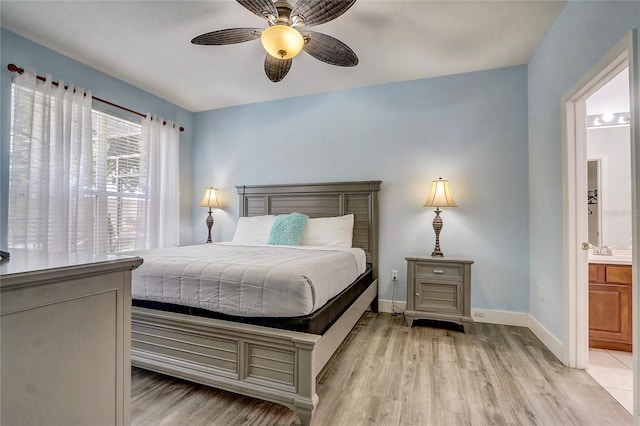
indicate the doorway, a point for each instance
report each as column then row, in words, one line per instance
column 608, row 141
column 576, row 245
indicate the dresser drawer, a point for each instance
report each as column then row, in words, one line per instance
column 438, row 271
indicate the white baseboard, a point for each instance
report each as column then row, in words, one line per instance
column 546, row 337
column 386, row 305
column 518, row 319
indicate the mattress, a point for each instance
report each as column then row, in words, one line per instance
column 255, row 280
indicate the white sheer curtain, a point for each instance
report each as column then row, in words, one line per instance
column 50, row 197
column 159, row 217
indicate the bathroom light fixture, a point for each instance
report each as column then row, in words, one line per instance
column 607, row 117
column 440, row 196
column 210, row 199
column 282, row 41
column 609, row 120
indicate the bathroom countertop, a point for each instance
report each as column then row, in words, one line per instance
column 619, row 257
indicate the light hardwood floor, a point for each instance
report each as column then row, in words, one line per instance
column 388, row 374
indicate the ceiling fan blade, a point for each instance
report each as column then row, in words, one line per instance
column 262, row 8
column 229, row 36
column 329, row 49
column 316, row 12
column 276, row 69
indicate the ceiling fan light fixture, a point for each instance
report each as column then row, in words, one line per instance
column 282, row 41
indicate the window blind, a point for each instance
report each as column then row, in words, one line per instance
column 118, row 193
column 115, row 191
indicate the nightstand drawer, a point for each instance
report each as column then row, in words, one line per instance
column 438, row 271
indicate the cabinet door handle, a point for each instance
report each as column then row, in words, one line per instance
column 417, row 294
column 438, row 271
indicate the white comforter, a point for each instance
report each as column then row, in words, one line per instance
column 247, row 280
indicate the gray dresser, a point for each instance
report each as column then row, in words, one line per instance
column 438, row 289
column 65, row 339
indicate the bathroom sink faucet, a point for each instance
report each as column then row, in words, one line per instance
column 603, row 251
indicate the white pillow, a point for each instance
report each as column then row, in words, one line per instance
column 254, row 229
column 328, row 232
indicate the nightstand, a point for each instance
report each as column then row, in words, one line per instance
column 438, row 288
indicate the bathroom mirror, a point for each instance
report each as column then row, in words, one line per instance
column 609, row 170
column 593, row 206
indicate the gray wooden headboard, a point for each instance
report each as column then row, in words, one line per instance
column 321, row 200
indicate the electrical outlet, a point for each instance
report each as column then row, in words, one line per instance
column 394, row 275
column 541, row 292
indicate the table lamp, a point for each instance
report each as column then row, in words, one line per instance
column 210, row 200
column 440, row 196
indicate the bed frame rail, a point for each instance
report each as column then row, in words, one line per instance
column 275, row 365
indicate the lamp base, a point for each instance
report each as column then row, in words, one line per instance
column 437, row 227
column 209, row 225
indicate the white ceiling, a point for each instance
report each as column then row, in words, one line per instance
column 147, row 44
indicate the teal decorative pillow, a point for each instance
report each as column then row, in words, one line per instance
column 287, row 229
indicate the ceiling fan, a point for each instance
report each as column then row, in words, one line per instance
column 285, row 36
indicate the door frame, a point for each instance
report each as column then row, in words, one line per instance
column 576, row 293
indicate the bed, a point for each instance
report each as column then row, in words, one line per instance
column 270, row 358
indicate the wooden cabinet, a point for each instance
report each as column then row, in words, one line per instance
column 438, row 289
column 65, row 339
column 610, row 312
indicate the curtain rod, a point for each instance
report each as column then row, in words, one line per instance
column 15, row 68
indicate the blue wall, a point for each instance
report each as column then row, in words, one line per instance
column 24, row 53
column 494, row 134
column 470, row 129
column 583, row 33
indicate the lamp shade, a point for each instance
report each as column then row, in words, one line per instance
column 210, row 198
column 440, row 195
column 282, row 41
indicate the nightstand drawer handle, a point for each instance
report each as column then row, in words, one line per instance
column 438, row 271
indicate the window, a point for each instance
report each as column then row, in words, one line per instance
column 88, row 180
column 116, row 182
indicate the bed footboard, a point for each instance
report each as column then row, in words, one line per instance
column 265, row 363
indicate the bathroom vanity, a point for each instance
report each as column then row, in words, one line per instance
column 610, row 308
